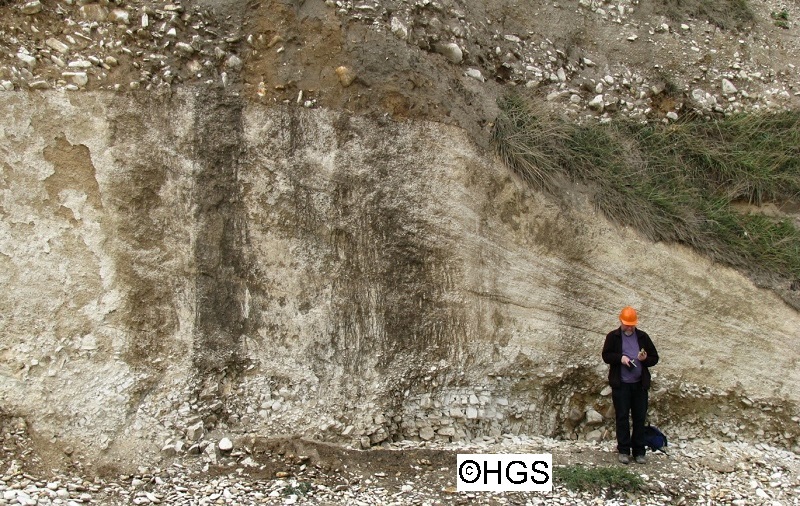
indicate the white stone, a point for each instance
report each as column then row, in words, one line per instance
column 451, row 51
column 575, row 415
column 78, row 78
column 728, row 88
column 596, row 103
column 446, row 431
column 27, row 59
column 234, row 63
column 57, row 45
column 195, row 432
column 225, row 444
column 595, row 436
column 184, row 49
column 31, row 7
column 119, row 16
column 398, row 29
column 593, row 417
column 475, row 74
column 703, row 98
column 425, row 401
column 426, row 433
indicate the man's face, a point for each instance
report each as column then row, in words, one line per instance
column 627, row 329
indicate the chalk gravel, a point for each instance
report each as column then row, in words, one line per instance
column 696, row 472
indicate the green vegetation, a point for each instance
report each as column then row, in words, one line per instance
column 781, row 18
column 577, row 477
column 300, row 489
column 680, row 182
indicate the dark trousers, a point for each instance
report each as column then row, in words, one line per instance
column 630, row 400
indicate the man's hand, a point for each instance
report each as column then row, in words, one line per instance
column 642, row 355
column 626, row 361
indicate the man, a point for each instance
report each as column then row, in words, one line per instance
column 630, row 353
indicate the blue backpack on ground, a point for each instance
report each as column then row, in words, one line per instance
column 655, row 439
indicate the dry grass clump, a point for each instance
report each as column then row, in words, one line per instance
column 530, row 142
column 673, row 182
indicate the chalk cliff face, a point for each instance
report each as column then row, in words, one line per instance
column 195, row 264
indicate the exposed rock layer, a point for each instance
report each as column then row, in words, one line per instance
column 187, row 266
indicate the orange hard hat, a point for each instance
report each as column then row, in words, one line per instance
column 628, row 316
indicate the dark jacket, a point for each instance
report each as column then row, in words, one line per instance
column 612, row 355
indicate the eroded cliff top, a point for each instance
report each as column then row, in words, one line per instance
column 442, row 60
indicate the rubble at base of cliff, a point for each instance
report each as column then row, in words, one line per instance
column 289, row 471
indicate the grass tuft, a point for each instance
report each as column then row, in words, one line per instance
column 530, row 141
column 781, row 18
column 577, row 477
column 677, row 182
